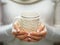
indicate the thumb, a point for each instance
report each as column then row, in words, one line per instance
column 41, row 28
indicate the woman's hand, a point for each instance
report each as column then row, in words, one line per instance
column 20, row 34
column 37, row 36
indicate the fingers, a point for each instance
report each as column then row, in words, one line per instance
column 38, row 35
column 14, row 33
column 21, row 37
column 35, row 34
column 26, row 39
column 43, row 33
column 35, row 38
column 19, row 33
column 16, row 26
column 40, row 28
column 22, row 33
